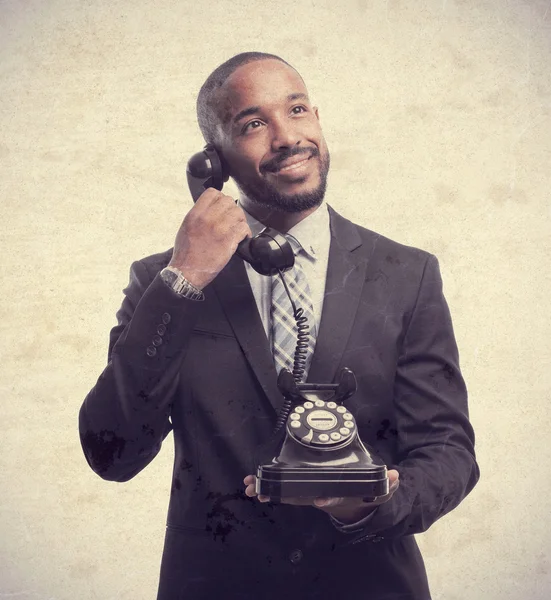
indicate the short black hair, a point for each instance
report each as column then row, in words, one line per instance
column 207, row 114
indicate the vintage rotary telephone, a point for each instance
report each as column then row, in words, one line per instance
column 315, row 449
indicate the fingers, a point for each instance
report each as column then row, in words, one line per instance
column 393, row 484
column 216, row 207
column 250, row 482
column 212, row 197
column 242, row 231
column 328, row 502
column 393, row 481
column 250, row 490
column 331, row 503
column 393, row 476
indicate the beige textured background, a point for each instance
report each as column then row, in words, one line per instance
column 438, row 117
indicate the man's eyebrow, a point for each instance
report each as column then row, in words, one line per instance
column 252, row 110
column 246, row 112
column 297, row 96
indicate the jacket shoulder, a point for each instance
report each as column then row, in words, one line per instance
column 384, row 245
column 377, row 246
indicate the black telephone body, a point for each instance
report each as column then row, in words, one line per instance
column 321, row 453
column 315, row 450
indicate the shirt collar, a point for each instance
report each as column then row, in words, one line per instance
column 309, row 232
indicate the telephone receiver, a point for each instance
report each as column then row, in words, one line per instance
column 268, row 252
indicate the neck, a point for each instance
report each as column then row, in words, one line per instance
column 270, row 217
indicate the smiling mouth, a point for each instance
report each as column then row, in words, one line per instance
column 295, row 165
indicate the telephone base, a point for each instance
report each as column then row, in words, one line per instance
column 287, row 482
column 321, row 453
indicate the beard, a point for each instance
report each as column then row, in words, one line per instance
column 267, row 195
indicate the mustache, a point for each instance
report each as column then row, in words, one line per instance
column 272, row 165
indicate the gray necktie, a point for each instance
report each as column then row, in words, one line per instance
column 284, row 325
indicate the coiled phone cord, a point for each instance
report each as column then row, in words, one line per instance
column 301, row 352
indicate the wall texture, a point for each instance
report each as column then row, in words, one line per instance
column 438, row 117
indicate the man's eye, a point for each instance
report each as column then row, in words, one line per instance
column 252, row 125
column 298, row 109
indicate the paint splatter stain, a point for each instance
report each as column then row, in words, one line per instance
column 386, row 430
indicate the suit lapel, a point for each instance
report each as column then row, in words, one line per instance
column 236, row 297
column 345, row 279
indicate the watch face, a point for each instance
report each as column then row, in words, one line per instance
column 180, row 285
column 169, row 276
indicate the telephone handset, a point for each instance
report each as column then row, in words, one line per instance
column 269, row 252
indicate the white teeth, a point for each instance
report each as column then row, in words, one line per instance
column 294, row 166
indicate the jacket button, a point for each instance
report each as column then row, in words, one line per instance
column 296, row 556
column 157, row 340
column 161, row 329
column 165, row 318
column 151, row 351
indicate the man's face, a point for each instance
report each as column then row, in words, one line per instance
column 271, row 138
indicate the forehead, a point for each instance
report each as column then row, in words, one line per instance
column 262, row 83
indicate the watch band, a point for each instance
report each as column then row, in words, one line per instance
column 175, row 279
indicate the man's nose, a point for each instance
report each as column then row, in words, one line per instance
column 284, row 135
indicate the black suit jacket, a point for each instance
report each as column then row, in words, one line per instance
column 205, row 370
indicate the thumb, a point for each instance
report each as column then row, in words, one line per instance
column 327, row 502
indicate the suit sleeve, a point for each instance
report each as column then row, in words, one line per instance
column 125, row 417
column 435, row 458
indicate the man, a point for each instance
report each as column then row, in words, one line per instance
column 199, row 361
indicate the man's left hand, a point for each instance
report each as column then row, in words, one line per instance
column 345, row 510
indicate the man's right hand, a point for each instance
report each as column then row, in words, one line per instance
column 208, row 237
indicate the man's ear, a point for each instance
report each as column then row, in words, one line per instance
column 316, row 112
